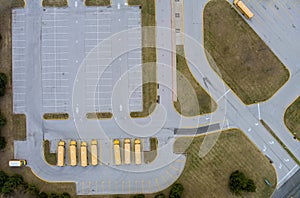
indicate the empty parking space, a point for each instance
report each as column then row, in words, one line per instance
column 18, row 60
column 55, row 60
column 99, row 26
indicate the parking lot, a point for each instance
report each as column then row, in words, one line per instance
column 18, row 58
column 55, row 62
column 66, row 40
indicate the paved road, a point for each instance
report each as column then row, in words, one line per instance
column 237, row 114
column 291, row 188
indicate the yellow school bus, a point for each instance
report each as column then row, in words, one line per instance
column 83, row 154
column 117, row 153
column 61, row 153
column 243, row 8
column 127, row 151
column 94, row 152
column 137, row 151
column 72, row 150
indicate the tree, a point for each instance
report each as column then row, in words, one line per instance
column 139, row 196
column 65, row 195
column 42, row 195
column 33, row 189
column 3, row 82
column 2, row 120
column 3, row 178
column 176, row 191
column 238, row 183
column 2, row 143
column 53, row 195
column 161, row 195
column 250, row 187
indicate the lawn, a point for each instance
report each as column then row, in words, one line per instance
column 19, row 126
column 55, row 3
column 192, row 99
column 292, row 118
column 149, row 68
column 243, row 60
column 209, row 176
column 97, row 2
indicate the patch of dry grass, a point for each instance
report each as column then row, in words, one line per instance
column 192, row 99
column 97, row 2
column 209, row 176
column 99, row 115
column 292, row 118
column 55, row 3
column 56, row 116
column 244, row 61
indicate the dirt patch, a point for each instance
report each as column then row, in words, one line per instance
column 19, row 126
column 243, row 60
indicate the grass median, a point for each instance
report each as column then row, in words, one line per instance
column 55, row 3
column 243, row 60
column 192, row 99
column 149, row 68
column 292, row 118
column 97, row 2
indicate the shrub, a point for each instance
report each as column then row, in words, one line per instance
column 65, row 195
column 42, row 195
column 176, row 191
column 2, row 143
column 238, row 182
column 161, row 195
column 3, row 178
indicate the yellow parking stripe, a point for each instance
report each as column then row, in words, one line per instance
column 100, row 152
column 82, row 187
column 128, row 186
column 108, row 185
column 174, row 168
column 172, row 176
column 149, row 186
column 143, row 190
column 136, row 186
column 102, row 183
column 89, row 187
column 96, row 186
column 163, row 178
column 158, row 186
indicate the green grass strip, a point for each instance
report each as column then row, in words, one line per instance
column 280, row 142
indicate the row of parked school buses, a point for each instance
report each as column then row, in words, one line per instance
column 73, row 153
column 72, row 148
column 127, row 151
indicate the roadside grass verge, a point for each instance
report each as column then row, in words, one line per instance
column 279, row 141
column 99, row 115
column 56, row 116
column 243, row 60
column 149, row 69
column 55, row 3
column 192, row 99
column 292, row 118
column 49, row 157
column 209, row 175
column 97, row 2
